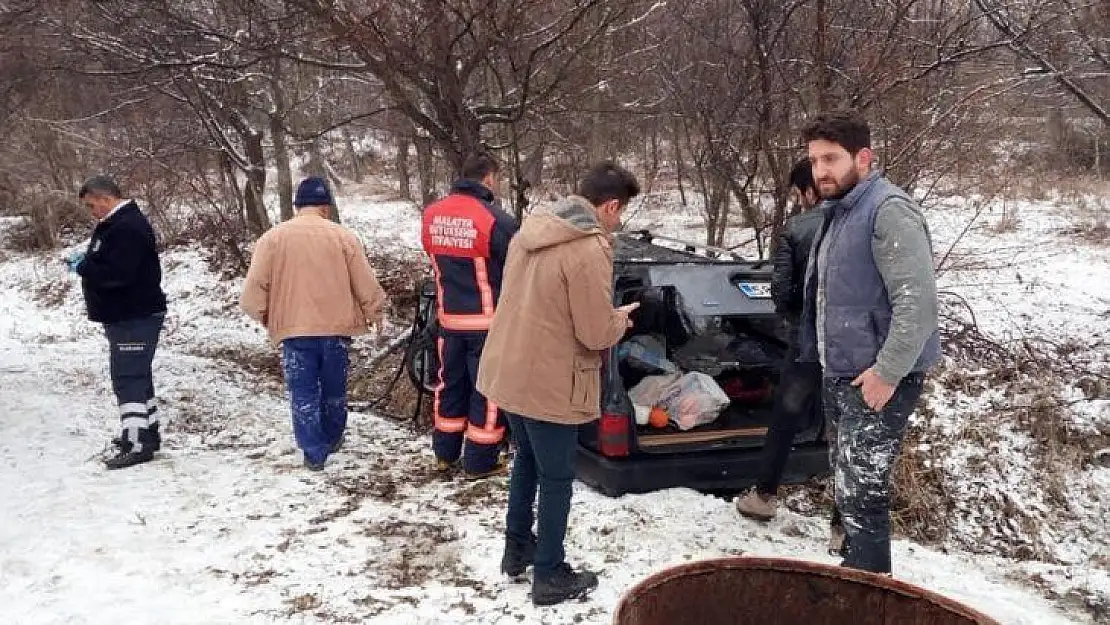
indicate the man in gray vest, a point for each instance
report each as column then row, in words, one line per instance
column 870, row 318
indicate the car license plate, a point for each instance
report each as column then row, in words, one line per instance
column 756, row 290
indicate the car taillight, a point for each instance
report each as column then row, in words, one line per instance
column 613, row 434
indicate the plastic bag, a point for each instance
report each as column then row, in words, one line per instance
column 696, row 399
column 651, row 390
column 647, row 354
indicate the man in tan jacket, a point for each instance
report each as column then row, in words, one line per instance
column 542, row 363
column 311, row 286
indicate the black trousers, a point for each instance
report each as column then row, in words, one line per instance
column 131, row 345
column 796, row 399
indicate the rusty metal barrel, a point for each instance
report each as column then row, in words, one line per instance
column 775, row 591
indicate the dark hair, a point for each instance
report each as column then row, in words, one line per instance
column 801, row 176
column 479, row 165
column 100, row 185
column 846, row 128
column 608, row 181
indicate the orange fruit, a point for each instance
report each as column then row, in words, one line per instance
column 658, row 418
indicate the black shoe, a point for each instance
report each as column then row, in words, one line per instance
column 125, row 459
column 563, row 585
column 518, row 557
column 155, row 438
column 313, row 466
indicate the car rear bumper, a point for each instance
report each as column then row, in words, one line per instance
column 712, row 471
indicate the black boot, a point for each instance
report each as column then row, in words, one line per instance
column 125, row 459
column 130, row 455
column 518, row 557
column 564, row 584
column 155, row 439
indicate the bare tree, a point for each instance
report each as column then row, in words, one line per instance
column 1065, row 40
column 454, row 67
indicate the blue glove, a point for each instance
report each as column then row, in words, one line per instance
column 75, row 259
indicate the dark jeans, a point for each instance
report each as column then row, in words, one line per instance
column 798, row 391
column 316, row 375
column 132, row 344
column 863, row 454
column 545, row 462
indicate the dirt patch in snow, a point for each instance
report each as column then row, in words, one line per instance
column 262, row 364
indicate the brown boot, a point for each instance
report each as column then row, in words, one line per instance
column 498, row 469
column 444, row 466
column 756, row 506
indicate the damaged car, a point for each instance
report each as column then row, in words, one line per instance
column 688, row 394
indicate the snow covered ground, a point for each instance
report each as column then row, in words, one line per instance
column 227, row 527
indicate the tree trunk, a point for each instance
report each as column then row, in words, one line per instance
column 232, row 190
column 679, row 169
column 821, row 61
column 533, row 165
column 427, row 169
column 318, row 166
column 723, row 202
column 281, row 148
column 284, row 169
column 519, row 182
column 404, row 176
column 255, row 206
column 352, row 154
column 653, row 152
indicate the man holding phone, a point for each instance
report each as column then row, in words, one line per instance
column 542, row 364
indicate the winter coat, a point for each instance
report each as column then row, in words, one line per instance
column 121, row 275
column 309, row 277
column 467, row 239
column 542, row 358
column 791, row 256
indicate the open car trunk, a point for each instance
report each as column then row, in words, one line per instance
column 716, row 319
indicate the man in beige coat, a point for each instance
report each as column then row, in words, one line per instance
column 542, row 363
column 311, row 286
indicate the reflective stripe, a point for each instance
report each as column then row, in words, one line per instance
column 490, row 433
column 481, row 276
column 491, row 415
column 485, row 437
column 450, row 424
column 151, row 404
column 440, row 422
column 440, row 385
column 128, row 423
column 132, row 408
column 439, row 304
column 465, row 322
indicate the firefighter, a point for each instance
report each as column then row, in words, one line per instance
column 467, row 236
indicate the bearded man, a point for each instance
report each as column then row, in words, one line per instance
column 869, row 318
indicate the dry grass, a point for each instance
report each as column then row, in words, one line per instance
column 1026, row 381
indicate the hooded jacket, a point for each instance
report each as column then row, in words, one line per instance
column 542, row 358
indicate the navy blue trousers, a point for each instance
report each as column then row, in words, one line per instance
column 316, row 376
column 132, row 344
column 462, row 414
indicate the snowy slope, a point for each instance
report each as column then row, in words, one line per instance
column 226, row 527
